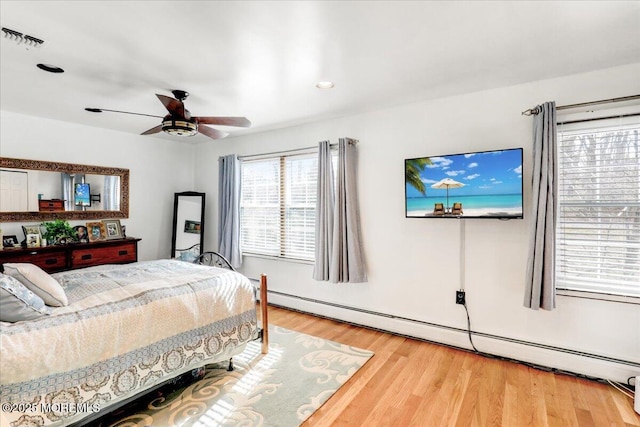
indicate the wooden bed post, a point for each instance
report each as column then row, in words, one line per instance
column 264, row 314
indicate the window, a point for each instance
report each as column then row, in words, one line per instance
column 277, row 208
column 598, row 223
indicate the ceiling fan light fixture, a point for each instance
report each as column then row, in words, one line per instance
column 179, row 127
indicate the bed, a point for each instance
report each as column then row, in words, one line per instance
column 126, row 329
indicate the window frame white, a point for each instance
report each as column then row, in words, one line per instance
column 565, row 284
column 282, row 249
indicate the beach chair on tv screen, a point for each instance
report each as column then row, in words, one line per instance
column 438, row 209
column 456, row 209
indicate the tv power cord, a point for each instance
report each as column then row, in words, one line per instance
column 627, row 389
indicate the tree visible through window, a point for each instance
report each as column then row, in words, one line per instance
column 598, row 228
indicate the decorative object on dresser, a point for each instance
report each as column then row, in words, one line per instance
column 96, row 231
column 113, row 229
column 81, row 233
column 58, row 232
column 31, row 229
column 10, row 241
column 69, row 257
column 33, row 240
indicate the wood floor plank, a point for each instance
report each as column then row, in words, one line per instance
column 413, row 383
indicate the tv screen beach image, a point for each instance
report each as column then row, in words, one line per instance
column 82, row 195
column 485, row 184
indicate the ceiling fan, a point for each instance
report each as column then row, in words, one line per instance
column 180, row 122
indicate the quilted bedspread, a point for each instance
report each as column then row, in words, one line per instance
column 126, row 328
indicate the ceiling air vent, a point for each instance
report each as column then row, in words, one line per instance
column 20, row 38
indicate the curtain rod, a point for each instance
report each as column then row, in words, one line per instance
column 294, row 150
column 618, row 116
column 536, row 110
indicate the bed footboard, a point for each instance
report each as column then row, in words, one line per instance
column 264, row 315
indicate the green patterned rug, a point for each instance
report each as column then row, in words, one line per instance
column 282, row 388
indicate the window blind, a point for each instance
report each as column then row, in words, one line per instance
column 598, row 222
column 260, row 207
column 278, row 206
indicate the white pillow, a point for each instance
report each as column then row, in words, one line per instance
column 39, row 282
column 17, row 303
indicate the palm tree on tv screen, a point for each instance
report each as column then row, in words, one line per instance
column 412, row 170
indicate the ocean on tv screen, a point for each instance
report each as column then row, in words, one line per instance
column 479, row 185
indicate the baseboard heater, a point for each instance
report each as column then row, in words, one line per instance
column 450, row 328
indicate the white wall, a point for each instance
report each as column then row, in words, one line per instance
column 157, row 169
column 413, row 264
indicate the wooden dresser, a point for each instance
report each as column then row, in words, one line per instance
column 68, row 257
column 54, row 205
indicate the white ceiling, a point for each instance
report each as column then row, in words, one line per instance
column 262, row 59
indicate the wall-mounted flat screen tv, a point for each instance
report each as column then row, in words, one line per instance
column 82, row 194
column 485, row 184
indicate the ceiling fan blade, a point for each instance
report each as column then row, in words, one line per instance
column 100, row 110
column 152, row 130
column 211, row 132
column 173, row 106
column 225, row 121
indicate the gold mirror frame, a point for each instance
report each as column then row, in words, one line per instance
column 10, row 163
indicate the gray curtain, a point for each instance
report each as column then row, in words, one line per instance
column 67, row 191
column 347, row 259
column 111, row 196
column 229, row 209
column 540, row 287
column 324, row 213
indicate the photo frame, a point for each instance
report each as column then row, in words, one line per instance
column 31, row 229
column 192, row 226
column 96, row 231
column 10, row 241
column 113, row 229
column 33, row 240
column 82, row 233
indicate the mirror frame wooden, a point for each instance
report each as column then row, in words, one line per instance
column 40, row 165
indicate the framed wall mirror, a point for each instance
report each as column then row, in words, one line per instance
column 188, row 225
column 36, row 191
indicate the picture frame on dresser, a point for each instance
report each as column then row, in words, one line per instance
column 10, row 241
column 96, row 231
column 33, row 240
column 31, row 229
column 113, row 229
column 82, row 234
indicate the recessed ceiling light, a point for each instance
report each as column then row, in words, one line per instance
column 50, row 68
column 325, row 85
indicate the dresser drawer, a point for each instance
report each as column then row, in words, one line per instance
column 118, row 254
column 51, row 205
column 48, row 260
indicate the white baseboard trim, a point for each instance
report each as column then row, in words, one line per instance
column 552, row 358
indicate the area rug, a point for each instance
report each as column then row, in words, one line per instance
column 282, row 388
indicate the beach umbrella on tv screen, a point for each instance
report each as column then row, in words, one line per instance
column 447, row 183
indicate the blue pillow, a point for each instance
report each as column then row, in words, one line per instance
column 17, row 303
column 187, row 256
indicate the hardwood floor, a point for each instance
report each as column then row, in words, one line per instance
column 413, row 383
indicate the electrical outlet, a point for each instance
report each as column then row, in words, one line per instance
column 460, row 297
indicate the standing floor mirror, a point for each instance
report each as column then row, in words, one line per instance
column 188, row 225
